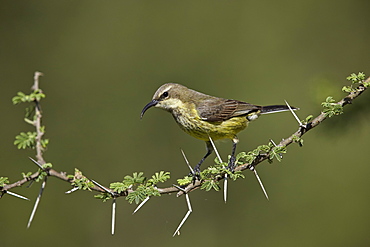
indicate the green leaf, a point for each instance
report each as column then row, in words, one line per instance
column 212, row 172
column 276, row 152
column 104, row 196
column 347, row 89
column 210, row 184
column 184, row 181
column 141, row 193
column 307, row 119
column 367, row 84
column 44, row 142
column 25, row 140
column 331, row 108
column 80, row 181
column 19, row 98
column 3, row 181
column 30, row 115
column 298, row 140
column 47, row 165
column 118, row 187
column 37, row 95
column 137, row 178
column 236, row 175
column 22, row 97
column 356, row 78
column 158, row 177
column 26, row 175
column 249, row 157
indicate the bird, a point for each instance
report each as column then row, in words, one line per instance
column 203, row 116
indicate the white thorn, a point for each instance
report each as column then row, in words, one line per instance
column 71, row 190
column 37, row 163
column 261, row 184
column 295, row 115
column 141, row 204
column 219, row 158
column 214, row 147
column 37, row 202
column 113, row 215
column 188, row 202
column 186, row 215
column 187, row 162
column 102, row 187
column 16, row 195
column 225, row 187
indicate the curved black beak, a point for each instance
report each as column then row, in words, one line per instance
column 150, row 104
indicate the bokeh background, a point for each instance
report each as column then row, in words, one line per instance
column 102, row 62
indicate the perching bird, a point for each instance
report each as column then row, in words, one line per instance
column 203, row 116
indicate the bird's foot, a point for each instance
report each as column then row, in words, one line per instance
column 195, row 173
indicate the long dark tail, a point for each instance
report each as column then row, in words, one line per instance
column 276, row 108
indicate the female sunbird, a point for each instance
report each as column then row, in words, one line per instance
column 203, row 116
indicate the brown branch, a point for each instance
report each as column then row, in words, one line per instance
column 193, row 186
column 284, row 143
column 37, row 123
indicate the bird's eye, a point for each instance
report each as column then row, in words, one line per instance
column 165, row 95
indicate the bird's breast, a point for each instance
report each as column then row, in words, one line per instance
column 188, row 119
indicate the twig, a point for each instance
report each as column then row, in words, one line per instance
column 285, row 142
column 40, row 133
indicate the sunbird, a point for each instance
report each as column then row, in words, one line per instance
column 203, row 116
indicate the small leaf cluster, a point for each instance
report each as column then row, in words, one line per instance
column 146, row 187
column 28, row 139
column 158, row 177
column 21, row 97
column 249, row 157
column 212, row 175
column 80, row 181
column 25, row 140
column 43, row 172
column 307, row 119
column 266, row 150
column 331, row 108
column 138, row 185
column 26, row 175
column 211, row 184
column 184, row 181
column 3, row 181
column 298, row 140
column 276, row 152
column 141, row 193
column 104, row 196
column 355, row 79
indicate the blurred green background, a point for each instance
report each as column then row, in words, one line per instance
column 102, row 62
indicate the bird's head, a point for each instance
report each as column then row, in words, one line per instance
column 169, row 96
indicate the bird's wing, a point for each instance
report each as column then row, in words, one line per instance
column 216, row 110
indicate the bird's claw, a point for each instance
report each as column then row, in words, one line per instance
column 195, row 173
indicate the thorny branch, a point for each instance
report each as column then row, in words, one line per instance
column 37, row 123
column 193, row 186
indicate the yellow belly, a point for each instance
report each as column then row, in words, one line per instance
column 192, row 124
